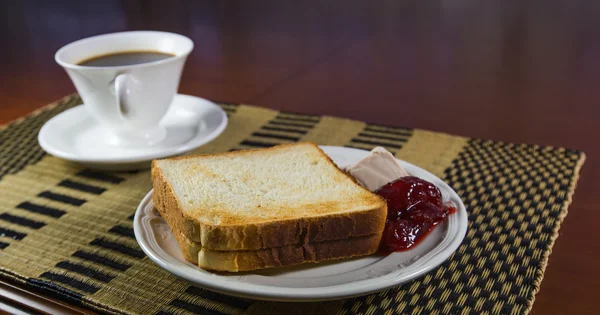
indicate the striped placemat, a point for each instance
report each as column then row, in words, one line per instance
column 66, row 231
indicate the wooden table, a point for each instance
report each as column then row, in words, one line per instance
column 516, row 71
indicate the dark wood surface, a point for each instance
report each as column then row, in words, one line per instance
column 17, row 300
column 515, row 71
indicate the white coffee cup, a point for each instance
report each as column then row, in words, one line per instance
column 129, row 100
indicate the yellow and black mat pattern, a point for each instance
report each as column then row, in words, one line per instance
column 66, row 231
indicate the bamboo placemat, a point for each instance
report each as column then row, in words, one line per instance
column 66, row 231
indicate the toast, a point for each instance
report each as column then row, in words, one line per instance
column 234, row 261
column 244, row 260
column 262, row 199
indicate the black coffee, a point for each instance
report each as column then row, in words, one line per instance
column 124, row 58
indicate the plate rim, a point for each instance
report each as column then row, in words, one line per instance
column 333, row 292
column 185, row 147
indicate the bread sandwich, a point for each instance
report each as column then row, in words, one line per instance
column 254, row 209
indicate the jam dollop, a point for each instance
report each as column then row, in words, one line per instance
column 415, row 207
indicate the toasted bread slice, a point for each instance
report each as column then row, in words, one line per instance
column 257, row 199
column 234, row 261
column 244, row 260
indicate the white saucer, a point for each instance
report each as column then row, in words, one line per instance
column 75, row 135
column 311, row 282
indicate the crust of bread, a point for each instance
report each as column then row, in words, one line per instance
column 277, row 233
column 254, row 259
column 235, row 261
column 189, row 248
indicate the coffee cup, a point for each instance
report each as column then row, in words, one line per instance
column 127, row 81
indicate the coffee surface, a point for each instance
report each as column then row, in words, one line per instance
column 124, row 58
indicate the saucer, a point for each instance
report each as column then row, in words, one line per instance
column 76, row 136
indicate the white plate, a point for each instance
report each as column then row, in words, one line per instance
column 75, row 135
column 311, row 282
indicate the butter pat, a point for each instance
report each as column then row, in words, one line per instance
column 376, row 169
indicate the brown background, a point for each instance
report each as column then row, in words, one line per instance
column 515, row 71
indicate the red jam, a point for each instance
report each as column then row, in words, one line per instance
column 415, row 207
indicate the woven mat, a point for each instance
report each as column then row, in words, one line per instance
column 66, row 231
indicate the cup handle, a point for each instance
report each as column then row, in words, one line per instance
column 121, row 92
